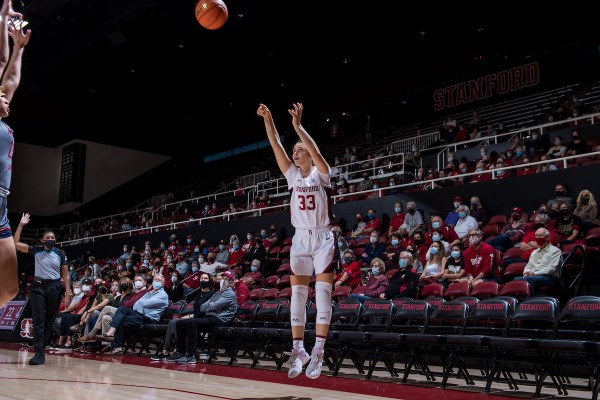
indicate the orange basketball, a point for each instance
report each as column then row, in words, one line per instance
column 211, row 14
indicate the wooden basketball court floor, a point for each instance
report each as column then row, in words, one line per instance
column 91, row 376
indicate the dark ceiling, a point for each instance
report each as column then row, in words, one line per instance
column 144, row 74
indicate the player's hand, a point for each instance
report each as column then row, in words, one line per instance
column 25, row 219
column 263, row 111
column 20, row 38
column 296, row 113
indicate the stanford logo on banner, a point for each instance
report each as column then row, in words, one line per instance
column 483, row 87
column 27, row 328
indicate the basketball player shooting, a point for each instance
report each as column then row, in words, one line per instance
column 314, row 244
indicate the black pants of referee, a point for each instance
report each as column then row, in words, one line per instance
column 45, row 296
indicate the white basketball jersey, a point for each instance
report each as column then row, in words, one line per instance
column 310, row 203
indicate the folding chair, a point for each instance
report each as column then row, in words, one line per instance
column 486, row 290
column 410, row 316
column 520, row 290
column 228, row 336
column 432, row 289
column 448, row 318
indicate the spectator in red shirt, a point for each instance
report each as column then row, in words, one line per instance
column 351, row 273
column 373, row 223
column 480, row 260
column 397, row 219
column 235, row 254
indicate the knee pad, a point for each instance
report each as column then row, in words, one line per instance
column 323, row 297
column 298, row 305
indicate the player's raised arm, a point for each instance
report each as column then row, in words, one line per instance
column 307, row 140
column 6, row 13
column 12, row 76
column 283, row 161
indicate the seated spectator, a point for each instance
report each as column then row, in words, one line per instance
column 405, row 238
column 528, row 243
column 373, row 223
column 433, row 270
column 546, row 166
column 527, row 169
column 465, row 222
column 413, row 219
column 537, row 144
column 351, row 274
column 397, row 218
column 249, row 244
column 452, row 217
column 577, row 145
column 392, row 252
column 446, row 231
column 404, row 281
column 512, row 233
column 148, row 308
column 202, row 296
column 69, row 319
column 191, row 280
column 342, row 246
column 103, row 298
column 558, row 150
column 253, row 278
column 561, row 195
column 542, row 269
column 219, row 310
column 568, row 226
column 454, row 268
column 373, row 250
column 416, row 259
column 377, row 284
column 357, row 229
column 236, row 254
column 480, row 261
column 481, row 176
column 223, row 253
column 587, row 210
column 422, row 246
column 257, row 252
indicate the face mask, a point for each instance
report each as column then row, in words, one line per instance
column 156, row 285
column 225, row 284
column 435, row 225
column 584, row 200
column 128, row 265
column 403, row 263
column 201, row 260
column 411, row 210
column 398, row 209
column 263, row 235
column 375, row 187
column 534, row 137
column 474, row 205
column 76, row 291
column 462, row 214
column 273, row 229
column 560, row 193
column 509, row 154
column 450, row 158
column 86, row 288
column 138, row 284
column 370, row 216
column 500, row 172
column 173, row 278
column 189, row 240
column 348, row 260
column 455, row 253
column 418, row 241
column 482, row 153
column 151, row 267
column 169, row 260
column 49, row 244
column 222, row 247
column 375, row 270
column 204, row 284
column 91, row 260
column 254, row 268
column 374, row 240
column 435, row 238
column 71, row 268
column 146, row 262
column 540, row 241
column 235, row 247
column 120, row 268
column 340, row 244
column 249, row 237
column 124, row 249
column 456, row 204
column 123, row 287
column 473, row 240
column 564, row 211
column 434, row 250
column 163, row 247
column 478, row 169
column 194, row 269
column 395, row 242
column 519, row 153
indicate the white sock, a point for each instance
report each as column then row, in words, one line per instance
column 298, row 344
column 319, row 343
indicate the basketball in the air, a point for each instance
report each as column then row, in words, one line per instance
column 211, row 14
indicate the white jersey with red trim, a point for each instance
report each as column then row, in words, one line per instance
column 310, row 205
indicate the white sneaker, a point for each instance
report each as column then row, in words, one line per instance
column 297, row 361
column 313, row 370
